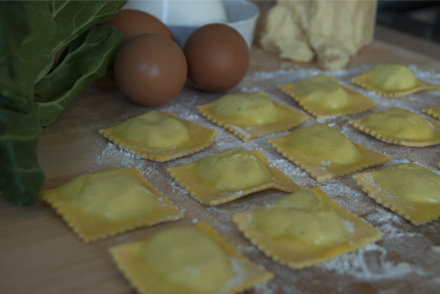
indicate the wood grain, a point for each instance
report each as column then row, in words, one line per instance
column 40, row 254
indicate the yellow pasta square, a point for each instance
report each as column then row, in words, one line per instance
column 251, row 115
column 433, row 111
column 110, row 202
column 324, row 96
column 229, row 175
column 187, row 260
column 305, row 228
column 392, row 80
column 400, row 126
column 410, row 190
column 160, row 136
column 325, row 153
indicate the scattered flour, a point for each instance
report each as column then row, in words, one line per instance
column 370, row 263
column 436, row 249
column 395, row 257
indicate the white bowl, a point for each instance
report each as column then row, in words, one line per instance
column 242, row 15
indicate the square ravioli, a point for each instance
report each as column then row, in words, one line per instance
column 323, row 96
column 433, row 111
column 305, row 228
column 110, row 202
column 408, row 189
column 251, row 115
column 400, row 126
column 229, row 175
column 391, row 79
column 187, row 260
column 325, row 153
column 160, row 136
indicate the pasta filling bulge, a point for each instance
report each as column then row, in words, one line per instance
column 322, row 143
column 323, row 90
column 186, row 257
column 112, row 195
column 400, row 123
column 301, row 216
column 411, row 182
column 250, row 109
column 232, row 170
column 155, row 130
column 392, row 77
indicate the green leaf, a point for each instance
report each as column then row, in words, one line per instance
column 31, row 35
column 91, row 60
column 25, row 31
column 21, row 177
column 73, row 18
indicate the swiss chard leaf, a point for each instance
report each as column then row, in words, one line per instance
column 31, row 34
column 73, row 18
column 20, row 176
column 89, row 61
column 25, row 31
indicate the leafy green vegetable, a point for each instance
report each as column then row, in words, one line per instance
column 55, row 91
column 33, row 92
column 21, row 178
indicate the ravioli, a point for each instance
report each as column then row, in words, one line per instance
column 110, row 202
column 391, row 79
column 160, row 136
column 187, row 259
column 433, row 111
column 410, row 190
column 400, row 126
column 324, row 152
column 198, row 263
column 323, row 96
column 251, row 115
column 230, row 174
column 305, row 228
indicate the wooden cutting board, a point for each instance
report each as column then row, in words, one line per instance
column 40, row 254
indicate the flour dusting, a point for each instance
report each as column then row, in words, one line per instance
column 407, row 254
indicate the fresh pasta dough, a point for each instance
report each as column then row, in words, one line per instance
column 251, row 115
column 400, row 126
column 323, row 96
column 408, row 189
column 305, row 228
column 303, row 216
column 232, row 170
column 433, row 111
column 185, row 256
column 230, row 174
column 191, row 259
column 391, row 79
column 110, row 202
column 160, row 136
column 324, row 152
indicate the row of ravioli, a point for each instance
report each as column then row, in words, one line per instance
column 302, row 229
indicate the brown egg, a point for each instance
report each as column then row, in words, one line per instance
column 132, row 23
column 217, row 57
column 150, row 69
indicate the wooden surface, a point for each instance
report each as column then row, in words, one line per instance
column 40, row 254
column 407, row 41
